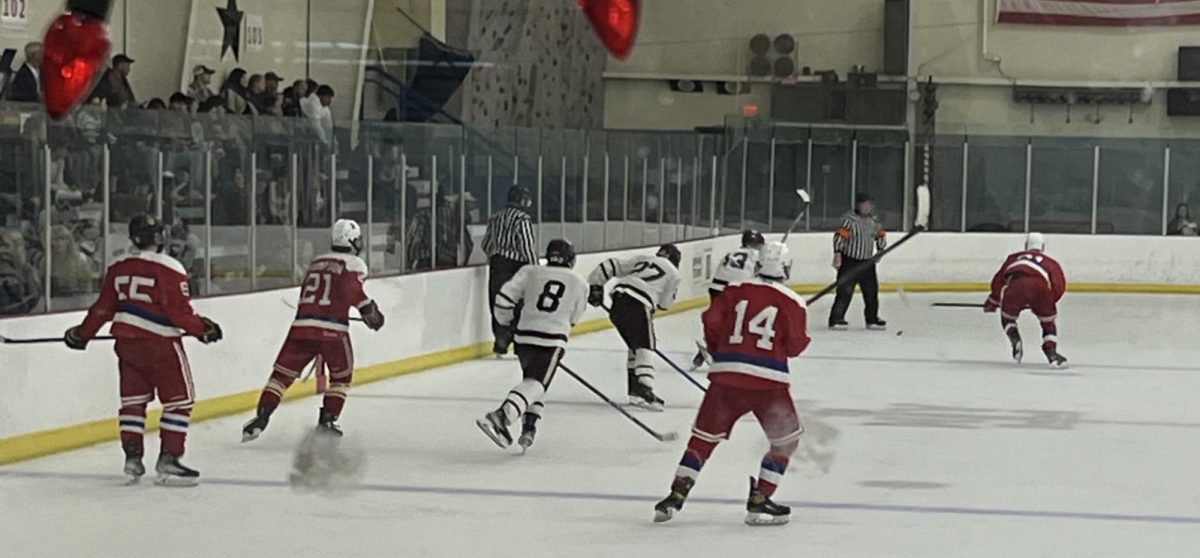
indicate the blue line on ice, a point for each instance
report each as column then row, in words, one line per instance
column 543, row 494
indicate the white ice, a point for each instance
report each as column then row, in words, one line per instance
column 946, row 449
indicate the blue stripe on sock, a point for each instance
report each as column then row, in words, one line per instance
column 774, row 466
column 173, row 422
column 691, row 462
column 138, row 424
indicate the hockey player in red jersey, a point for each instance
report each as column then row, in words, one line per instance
column 752, row 330
column 145, row 296
column 332, row 285
column 1030, row 280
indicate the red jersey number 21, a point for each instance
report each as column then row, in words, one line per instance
column 762, row 325
column 316, row 283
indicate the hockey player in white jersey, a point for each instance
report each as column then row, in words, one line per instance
column 553, row 299
column 738, row 265
column 735, row 267
column 645, row 284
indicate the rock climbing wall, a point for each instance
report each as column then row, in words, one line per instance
column 541, row 66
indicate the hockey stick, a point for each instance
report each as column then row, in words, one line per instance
column 10, row 341
column 293, row 307
column 667, row 437
column 922, row 221
column 956, row 305
column 806, row 200
column 668, row 361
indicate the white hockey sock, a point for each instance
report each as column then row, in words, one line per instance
column 536, row 409
column 521, row 398
column 643, row 368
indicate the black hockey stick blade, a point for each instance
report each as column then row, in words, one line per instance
column 956, row 305
column 667, row 437
column 38, row 340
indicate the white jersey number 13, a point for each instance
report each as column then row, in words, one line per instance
column 762, row 325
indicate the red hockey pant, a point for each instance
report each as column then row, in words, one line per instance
column 152, row 366
column 1030, row 292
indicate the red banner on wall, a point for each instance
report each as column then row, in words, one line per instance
column 1106, row 13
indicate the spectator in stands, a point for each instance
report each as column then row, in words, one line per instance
column 91, row 243
column 292, row 96
column 256, row 93
column 316, row 108
column 453, row 241
column 27, row 85
column 155, row 104
column 235, row 93
column 114, row 87
column 272, row 81
column 181, row 103
column 20, row 287
column 201, row 86
column 212, row 104
column 1182, row 224
column 183, row 245
column 71, row 272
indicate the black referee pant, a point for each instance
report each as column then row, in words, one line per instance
column 860, row 273
column 500, row 271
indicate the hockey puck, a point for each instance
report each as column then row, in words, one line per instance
column 899, row 332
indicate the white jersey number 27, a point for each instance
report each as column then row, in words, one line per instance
column 762, row 325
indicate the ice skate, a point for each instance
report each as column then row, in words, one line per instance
column 643, row 397
column 495, row 426
column 327, row 423
column 134, row 468
column 528, row 431
column 666, row 509
column 761, row 511
column 1018, row 348
column 839, row 325
column 1057, row 361
column 253, row 429
column 173, row 473
column 877, row 325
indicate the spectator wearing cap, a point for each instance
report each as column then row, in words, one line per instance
column 854, row 246
column 201, row 87
column 272, row 81
column 114, row 88
column 316, row 107
column 27, row 85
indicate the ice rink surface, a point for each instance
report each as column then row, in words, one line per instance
column 946, row 448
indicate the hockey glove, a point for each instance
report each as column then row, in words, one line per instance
column 74, row 339
column 212, row 332
column 990, row 306
column 372, row 316
column 596, row 295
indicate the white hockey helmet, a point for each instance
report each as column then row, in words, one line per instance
column 1035, row 241
column 774, row 261
column 346, row 234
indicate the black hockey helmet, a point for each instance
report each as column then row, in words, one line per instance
column 752, row 239
column 146, row 232
column 519, row 197
column 671, row 252
column 560, row 252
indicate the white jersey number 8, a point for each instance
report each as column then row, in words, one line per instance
column 762, row 325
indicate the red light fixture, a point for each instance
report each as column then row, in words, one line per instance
column 615, row 21
column 76, row 50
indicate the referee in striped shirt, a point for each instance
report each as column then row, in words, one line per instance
column 509, row 245
column 854, row 246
